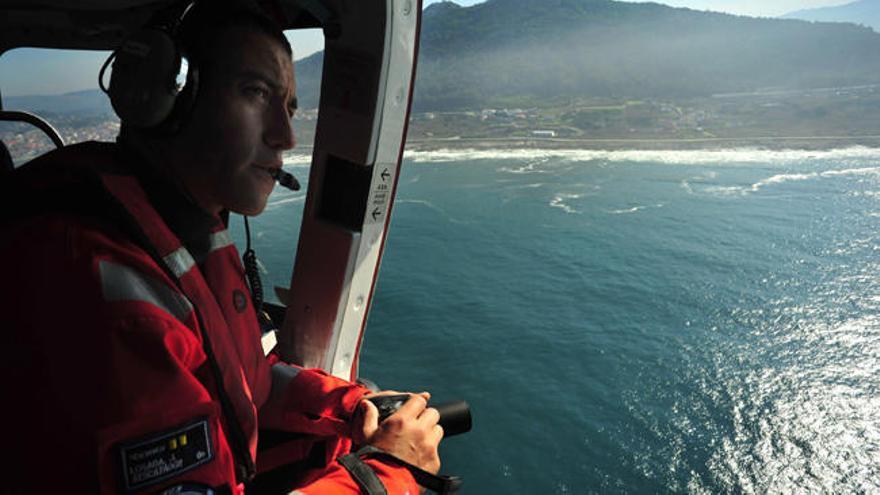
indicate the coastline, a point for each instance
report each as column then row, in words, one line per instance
column 786, row 143
column 805, row 143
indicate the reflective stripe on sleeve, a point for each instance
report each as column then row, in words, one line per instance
column 121, row 283
column 179, row 262
column 220, row 240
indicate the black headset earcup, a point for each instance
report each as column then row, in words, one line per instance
column 143, row 84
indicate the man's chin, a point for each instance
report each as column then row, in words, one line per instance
column 249, row 210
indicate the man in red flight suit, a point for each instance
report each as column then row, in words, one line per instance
column 133, row 360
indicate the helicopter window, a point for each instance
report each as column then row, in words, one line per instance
column 308, row 46
column 61, row 87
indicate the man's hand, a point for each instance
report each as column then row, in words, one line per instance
column 411, row 434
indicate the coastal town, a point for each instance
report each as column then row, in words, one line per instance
column 808, row 119
column 817, row 118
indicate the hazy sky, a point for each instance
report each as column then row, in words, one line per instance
column 744, row 7
column 767, row 8
column 29, row 71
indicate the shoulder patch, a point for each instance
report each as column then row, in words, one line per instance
column 166, row 454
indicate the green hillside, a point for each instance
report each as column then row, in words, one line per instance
column 528, row 53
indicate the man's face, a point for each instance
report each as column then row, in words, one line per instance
column 241, row 123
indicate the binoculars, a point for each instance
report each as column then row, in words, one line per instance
column 455, row 416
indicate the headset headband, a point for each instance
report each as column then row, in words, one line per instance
column 150, row 74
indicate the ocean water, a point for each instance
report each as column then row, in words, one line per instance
column 633, row 322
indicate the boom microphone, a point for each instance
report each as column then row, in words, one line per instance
column 286, row 180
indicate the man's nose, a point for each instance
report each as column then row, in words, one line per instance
column 279, row 129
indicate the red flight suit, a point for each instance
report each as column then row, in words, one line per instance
column 129, row 366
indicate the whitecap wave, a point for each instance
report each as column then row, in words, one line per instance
column 559, row 201
column 634, row 209
column 686, row 185
column 852, row 171
column 732, row 190
column 726, row 190
column 782, row 179
column 529, row 168
column 671, row 157
column 531, row 185
column 298, row 160
column 865, row 194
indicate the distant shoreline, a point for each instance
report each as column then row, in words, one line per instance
column 809, row 143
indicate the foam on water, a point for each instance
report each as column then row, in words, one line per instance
column 634, row 209
column 559, row 201
column 672, row 157
column 778, row 179
column 531, row 167
column 531, row 185
column 297, row 160
column 782, row 178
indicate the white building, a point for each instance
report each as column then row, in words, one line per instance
column 544, row 134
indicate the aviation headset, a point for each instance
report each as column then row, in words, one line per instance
column 153, row 84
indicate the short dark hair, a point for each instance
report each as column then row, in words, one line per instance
column 207, row 18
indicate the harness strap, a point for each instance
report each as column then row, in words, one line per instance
column 362, row 474
column 443, row 485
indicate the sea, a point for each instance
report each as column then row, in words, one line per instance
column 632, row 321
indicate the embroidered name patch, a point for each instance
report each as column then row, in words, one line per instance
column 164, row 455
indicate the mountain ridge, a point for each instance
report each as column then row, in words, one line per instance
column 86, row 101
column 865, row 12
column 509, row 52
